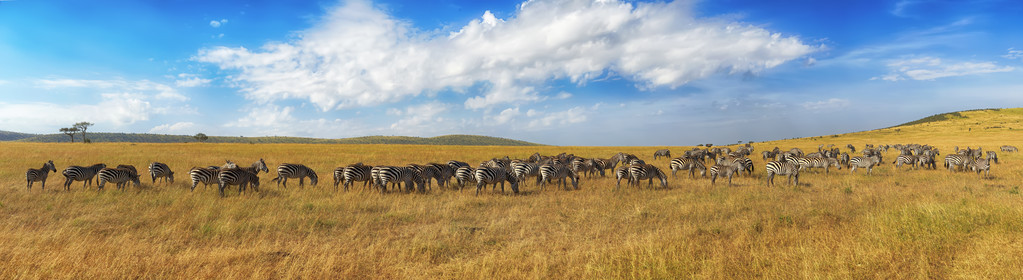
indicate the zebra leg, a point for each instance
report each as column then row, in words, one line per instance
column 479, row 185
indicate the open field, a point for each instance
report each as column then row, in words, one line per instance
column 891, row 224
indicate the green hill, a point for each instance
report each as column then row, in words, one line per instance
column 469, row 140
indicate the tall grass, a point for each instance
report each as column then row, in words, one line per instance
column 891, row 224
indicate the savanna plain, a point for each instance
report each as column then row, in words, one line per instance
column 893, row 223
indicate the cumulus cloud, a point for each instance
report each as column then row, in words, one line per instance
column 562, row 118
column 179, row 127
column 931, row 68
column 190, row 80
column 420, row 118
column 276, row 120
column 217, row 23
column 358, row 55
column 830, row 104
column 117, row 109
column 1014, row 54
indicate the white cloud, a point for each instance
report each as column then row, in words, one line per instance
column 360, row 56
column 421, row 118
column 931, row 68
column 189, row 80
column 506, row 116
column 274, row 120
column 113, row 109
column 830, row 104
column 217, row 23
column 1014, row 54
column 173, row 128
column 548, row 120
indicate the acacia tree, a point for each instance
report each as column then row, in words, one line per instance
column 70, row 131
column 201, row 137
column 82, row 126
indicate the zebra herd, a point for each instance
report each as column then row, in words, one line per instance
column 562, row 170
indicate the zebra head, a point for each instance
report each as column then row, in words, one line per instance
column 49, row 164
column 261, row 165
column 313, row 179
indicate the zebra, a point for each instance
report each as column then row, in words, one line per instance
column 444, row 173
column 120, row 176
column 551, row 172
column 33, row 175
column 290, row 170
column 582, row 165
column 863, row 162
column 410, row 176
column 240, row 177
column 490, row 175
column 955, row 161
column 906, row 159
column 339, row 176
column 686, row 163
column 767, row 155
column 782, row 168
column 992, row 156
column 825, row 163
column 78, row 173
column 647, row 172
column 981, row 165
column 622, row 172
column 157, row 169
column 725, row 170
column 601, row 164
column 465, row 175
column 356, row 173
column 662, row 153
column 428, row 172
column 926, row 160
column 205, row 175
column 852, row 148
column 523, row 169
column 622, row 158
column 1008, row 148
column 255, row 168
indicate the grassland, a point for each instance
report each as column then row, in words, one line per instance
column 891, row 224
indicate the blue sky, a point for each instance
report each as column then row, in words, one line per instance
column 580, row 72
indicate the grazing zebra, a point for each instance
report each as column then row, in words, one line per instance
column 444, row 173
column 622, row 172
column 522, row 170
column 825, row 163
column 120, row 176
column 397, row 175
column 239, row 177
column 690, row 164
column 456, row 164
column 956, row 161
column 601, row 164
column 357, row 173
column 78, row 173
column 339, row 176
column 640, row 172
column 428, row 172
column 1008, row 148
column 491, row 175
column 33, row 175
column 465, row 175
column 767, row 155
column 926, row 161
column 622, row 158
column 782, row 168
column 992, row 156
column 863, row 162
column 981, row 165
column 582, row 165
column 725, row 170
column 551, row 172
column 160, row 170
column 289, row 170
column 906, row 159
column 662, row 153
column 205, row 175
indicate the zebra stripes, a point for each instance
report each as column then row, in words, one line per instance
column 354, row 173
column 662, row 153
column 863, row 162
column 205, row 175
column 400, row 174
column 992, row 156
column 523, row 170
column 465, row 175
column 120, row 176
column 956, row 162
column 240, row 177
column 292, row 171
column 782, row 168
column 622, row 172
column 160, row 170
column 39, row 175
column 78, row 173
column 905, row 159
column 559, row 172
column 725, row 171
column 690, row 164
column 981, row 165
column 491, row 175
column 638, row 172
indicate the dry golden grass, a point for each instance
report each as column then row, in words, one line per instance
column 892, row 224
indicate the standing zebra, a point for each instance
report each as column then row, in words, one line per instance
column 782, row 168
column 290, row 170
column 33, row 175
column 981, row 165
column 956, row 161
column 690, row 164
column 648, row 172
column 401, row 174
column 926, row 161
column 551, row 172
column 206, row 175
column 662, row 153
column 523, row 170
column 582, row 165
column 78, row 173
column 622, row 172
column 239, row 177
column 465, row 175
column 428, row 172
column 120, row 176
column 357, row 173
column 867, row 162
column 825, row 163
column 992, row 156
column 160, row 170
column 601, row 164
column 725, row 170
column 491, row 175
column 444, row 173
column 1008, row 148
column 906, row 159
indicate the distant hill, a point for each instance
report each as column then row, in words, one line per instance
column 11, row 136
column 469, row 140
